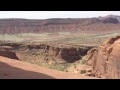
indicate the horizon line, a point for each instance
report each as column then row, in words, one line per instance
column 58, row 17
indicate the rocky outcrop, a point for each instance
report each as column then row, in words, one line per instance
column 90, row 54
column 105, row 60
column 6, row 52
column 68, row 54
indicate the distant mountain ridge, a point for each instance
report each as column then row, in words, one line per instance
column 110, row 16
column 16, row 26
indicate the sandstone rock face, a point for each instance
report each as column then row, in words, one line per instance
column 67, row 54
column 6, row 52
column 105, row 59
column 90, row 54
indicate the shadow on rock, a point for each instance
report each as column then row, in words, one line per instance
column 9, row 72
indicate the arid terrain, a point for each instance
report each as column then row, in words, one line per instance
column 60, row 48
column 13, row 69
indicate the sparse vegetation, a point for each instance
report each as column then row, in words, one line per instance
column 63, row 37
column 60, row 67
column 82, row 71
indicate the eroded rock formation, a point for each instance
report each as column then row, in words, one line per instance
column 60, row 54
column 68, row 54
column 7, row 52
column 105, row 60
column 65, row 54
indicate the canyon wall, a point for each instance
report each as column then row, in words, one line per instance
column 65, row 54
column 7, row 52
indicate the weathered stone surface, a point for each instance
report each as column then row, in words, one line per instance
column 6, row 52
column 105, row 60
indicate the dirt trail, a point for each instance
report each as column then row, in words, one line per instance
column 14, row 69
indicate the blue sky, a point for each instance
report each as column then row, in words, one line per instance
column 55, row 14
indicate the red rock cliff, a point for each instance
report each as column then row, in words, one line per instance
column 105, row 59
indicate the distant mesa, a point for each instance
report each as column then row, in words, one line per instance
column 17, row 25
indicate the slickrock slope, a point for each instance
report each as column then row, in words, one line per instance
column 14, row 69
column 105, row 59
